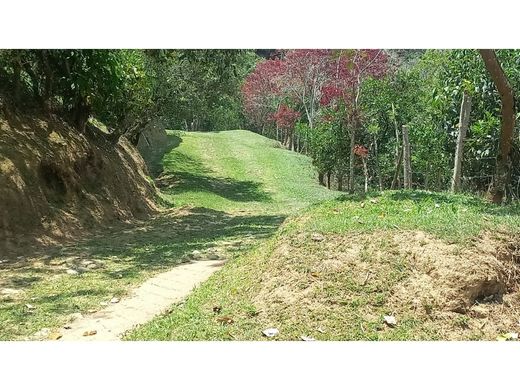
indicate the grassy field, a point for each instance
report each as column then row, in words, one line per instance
column 232, row 186
column 334, row 271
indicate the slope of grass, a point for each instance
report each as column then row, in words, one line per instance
column 307, row 287
column 238, row 171
column 226, row 186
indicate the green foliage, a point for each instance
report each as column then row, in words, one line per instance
column 125, row 89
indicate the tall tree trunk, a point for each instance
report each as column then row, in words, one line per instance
column 378, row 169
column 406, row 159
column 365, row 173
column 17, row 67
column 47, row 93
column 465, row 110
column 328, row 179
column 350, row 186
column 340, row 181
column 393, row 186
column 398, row 149
column 321, row 178
column 502, row 178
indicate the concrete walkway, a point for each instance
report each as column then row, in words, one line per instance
column 145, row 302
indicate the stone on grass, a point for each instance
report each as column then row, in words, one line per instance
column 271, row 332
column 317, row 237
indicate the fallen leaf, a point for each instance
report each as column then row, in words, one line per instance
column 373, row 200
column 225, row 320
column 315, row 274
column 362, row 204
column 271, row 332
column 89, row 332
column 306, row 338
column 320, row 330
column 390, row 321
column 114, row 300
column 29, row 306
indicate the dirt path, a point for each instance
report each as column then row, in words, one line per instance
column 145, row 302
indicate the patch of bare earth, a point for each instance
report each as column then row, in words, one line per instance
column 345, row 284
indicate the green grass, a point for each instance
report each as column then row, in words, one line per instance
column 455, row 218
column 238, row 186
column 239, row 171
column 340, row 304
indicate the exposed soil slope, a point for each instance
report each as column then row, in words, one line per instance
column 55, row 181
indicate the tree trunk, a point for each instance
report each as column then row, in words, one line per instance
column 502, row 179
column 378, row 169
column 407, row 166
column 47, row 93
column 365, row 173
column 340, row 181
column 465, row 110
column 17, row 67
column 328, row 180
column 321, row 178
column 350, row 186
column 393, row 186
column 398, row 149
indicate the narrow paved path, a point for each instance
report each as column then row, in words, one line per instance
column 145, row 302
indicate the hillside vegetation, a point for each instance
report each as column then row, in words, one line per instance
column 445, row 266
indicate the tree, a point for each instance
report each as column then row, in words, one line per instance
column 350, row 69
column 502, row 178
column 261, row 92
column 465, row 110
column 285, row 119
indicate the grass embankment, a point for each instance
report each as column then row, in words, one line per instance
column 443, row 265
column 229, row 189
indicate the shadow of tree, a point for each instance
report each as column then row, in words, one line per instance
column 236, row 190
column 479, row 204
column 166, row 240
column 189, row 174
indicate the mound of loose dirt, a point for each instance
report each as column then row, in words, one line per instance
column 458, row 292
column 55, row 182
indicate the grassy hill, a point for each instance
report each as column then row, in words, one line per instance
column 444, row 266
column 238, row 171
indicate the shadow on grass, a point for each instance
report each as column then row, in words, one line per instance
column 479, row 204
column 418, row 197
column 188, row 174
column 166, row 240
column 236, row 190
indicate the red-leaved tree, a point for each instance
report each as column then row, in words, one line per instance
column 348, row 69
column 285, row 119
column 261, row 92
